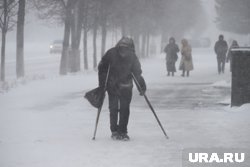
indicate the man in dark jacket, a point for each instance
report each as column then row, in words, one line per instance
column 122, row 62
column 171, row 51
column 220, row 49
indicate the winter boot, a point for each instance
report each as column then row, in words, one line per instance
column 115, row 135
column 123, row 136
column 183, row 73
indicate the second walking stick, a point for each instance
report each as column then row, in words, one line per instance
column 150, row 106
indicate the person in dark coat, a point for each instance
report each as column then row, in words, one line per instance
column 229, row 53
column 171, row 51
column 123, row 62
column 220, row 49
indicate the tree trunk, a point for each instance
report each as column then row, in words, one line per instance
column 94, row 45
column 136, row 36
column 79, row 23
column 85, row 13
column 65, row 51
column 124, row 27
column 3, row 56
column 113, row 35
column 104, row 34
column 143, row 48
column 95, row 30
column 147, row 44
column 163, row 40
column 20, row 39
column 4, row 32
column 74, row 52
column 137, row 42
column 72, row 55
column 85, row 47
column 80, row 17
column 103, row 26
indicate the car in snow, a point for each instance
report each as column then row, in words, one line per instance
column 56, row 46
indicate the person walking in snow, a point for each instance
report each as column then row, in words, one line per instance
column 229, row 53
column 122, row 62
column 220, row 49
column 171, row 51
column 186, row 64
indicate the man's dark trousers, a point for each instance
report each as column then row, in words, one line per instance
column 119, row 107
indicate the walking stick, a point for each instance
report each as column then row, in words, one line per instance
column 150, row 106
column 100, row 108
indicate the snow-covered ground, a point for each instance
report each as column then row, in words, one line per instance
column 48, row 123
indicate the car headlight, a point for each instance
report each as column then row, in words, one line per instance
column 51, row 46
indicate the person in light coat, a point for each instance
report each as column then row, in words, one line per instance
column 186, row 64
column 229, row 53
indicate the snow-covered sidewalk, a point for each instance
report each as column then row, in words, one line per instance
column 48, row 123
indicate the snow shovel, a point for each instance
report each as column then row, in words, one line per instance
column 96, row 98
column 150, row 106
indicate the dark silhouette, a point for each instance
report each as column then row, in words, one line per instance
column 171, row 51
column 220, row 49
column 123, row 62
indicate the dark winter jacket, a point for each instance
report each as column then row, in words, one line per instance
column 171, row 51
column 220, row 49
column 120, row 77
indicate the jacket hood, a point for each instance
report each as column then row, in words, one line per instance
column 126, row 42
column 184, row 42
column 171, row 39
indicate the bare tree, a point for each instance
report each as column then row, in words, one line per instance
column 85, row 32
column 90, row 21
column 60, row 11
column 95, row 29
column 233, row 16
column 66, row 37
column 141, row 19
column 7, row 22
column 103, row 22
column 76, row 26
column 20, row 39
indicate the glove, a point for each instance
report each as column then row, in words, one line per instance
column 142, row 93
column 143, row 86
